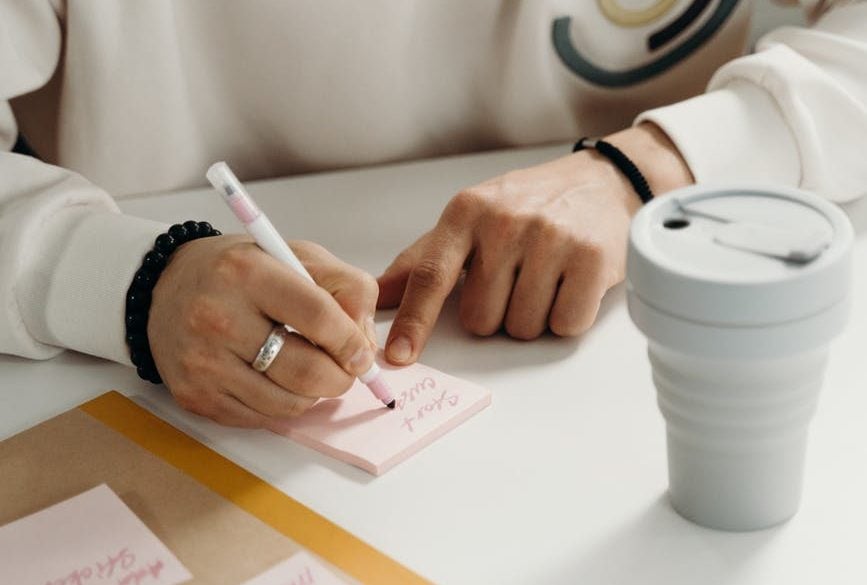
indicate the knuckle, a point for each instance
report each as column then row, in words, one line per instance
column 562, row 328
column 364, row 286
column 207, row 317
column 522, row 330
column 408, row 324
column 505, row 224
column 351, row 348
column 554, row 232
column 235, row 263
column 570, row 325
column 541, row 226
column 297, row 407
column 429, row 274
column 309, row 248
column 589, row 252
column 195, row 365
column 369, row 286
column 465, row 202
column 480, row 327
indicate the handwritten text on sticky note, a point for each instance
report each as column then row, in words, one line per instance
column 91, row 539
column 358, row 429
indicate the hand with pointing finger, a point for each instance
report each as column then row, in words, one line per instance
column 540, row 246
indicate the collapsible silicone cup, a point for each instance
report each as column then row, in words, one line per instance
column 739, row 291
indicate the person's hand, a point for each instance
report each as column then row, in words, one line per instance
column 214, row 306
column 540, row 246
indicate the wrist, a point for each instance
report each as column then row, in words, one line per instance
column 140, row 292
column 655, row 155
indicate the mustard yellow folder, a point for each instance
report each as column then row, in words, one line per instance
column 225, row 524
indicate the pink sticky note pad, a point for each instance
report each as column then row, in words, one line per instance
column 358, row 429
column 299, row 569
column 92, row 538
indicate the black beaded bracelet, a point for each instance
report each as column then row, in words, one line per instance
column 138, row 297
column 621, row 161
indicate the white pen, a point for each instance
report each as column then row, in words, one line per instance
column 266, row 236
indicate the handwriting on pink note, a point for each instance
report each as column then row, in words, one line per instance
column 299, row 569
column 91, row 539
column 357, row 429
column 123, row 567
column 425, row 404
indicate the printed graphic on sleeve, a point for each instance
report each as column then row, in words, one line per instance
column 662, row 54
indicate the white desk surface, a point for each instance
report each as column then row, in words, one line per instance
column 563, row 478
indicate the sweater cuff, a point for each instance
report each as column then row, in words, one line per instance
column 732, row 134
column 76, row 297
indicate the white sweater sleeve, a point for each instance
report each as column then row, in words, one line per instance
column 794, row 112
column 66, row 255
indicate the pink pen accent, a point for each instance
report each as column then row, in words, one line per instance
column 244, row 208
column 373, row 379
column 380, row 389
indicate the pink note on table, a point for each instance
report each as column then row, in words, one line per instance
column 358, row 429
column 299, row 569
column 90, row 539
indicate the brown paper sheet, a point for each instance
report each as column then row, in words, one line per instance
column 219, row 542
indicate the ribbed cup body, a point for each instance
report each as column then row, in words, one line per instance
column 737, row 433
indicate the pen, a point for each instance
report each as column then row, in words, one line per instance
column 266, row 236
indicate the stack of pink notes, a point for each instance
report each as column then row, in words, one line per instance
column 358, row 429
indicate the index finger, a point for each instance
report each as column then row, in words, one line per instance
column 286, row 297
column 354, row 289
column 430, row 281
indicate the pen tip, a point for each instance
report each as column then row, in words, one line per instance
column 391, row 405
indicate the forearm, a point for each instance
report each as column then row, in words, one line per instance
column 793, row 113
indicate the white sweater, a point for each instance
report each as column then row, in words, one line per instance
column 142, row 96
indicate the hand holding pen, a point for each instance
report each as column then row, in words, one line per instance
column 217, row 302
column 268, row 239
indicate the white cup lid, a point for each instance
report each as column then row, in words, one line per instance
column 739, row 255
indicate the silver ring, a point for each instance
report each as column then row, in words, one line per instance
column 269, row 350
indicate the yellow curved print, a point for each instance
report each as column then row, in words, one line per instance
column 632, row 18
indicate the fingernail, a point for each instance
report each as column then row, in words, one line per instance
column 400, row 349
column 361, row 360
column 370, row 330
